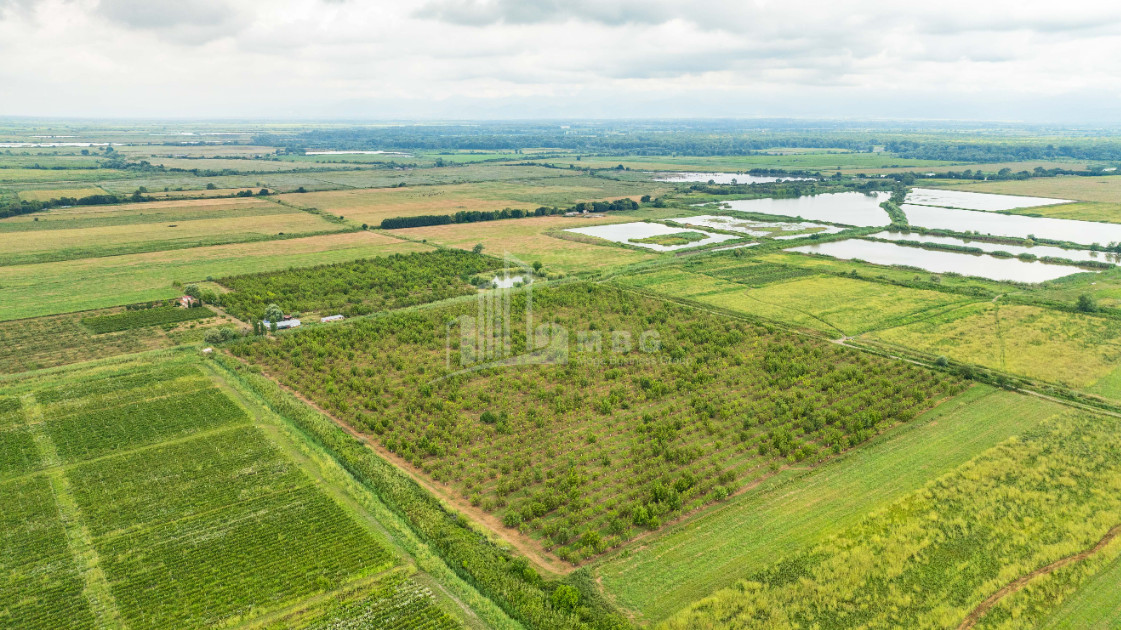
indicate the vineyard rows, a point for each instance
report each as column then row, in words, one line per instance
column 215, row 567
column 143, row 318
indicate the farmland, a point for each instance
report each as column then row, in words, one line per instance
column 1073, row 349
column 521, row 427
column 48, row 288
column 276, row 536
column 529, row 240
column 1052, row 484
column 358, row 287
column 630, row 465
column 42, row 342
column 739, row 538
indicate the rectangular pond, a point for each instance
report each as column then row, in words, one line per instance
column 847, row 208
column 630, row 233
column 977, row 201
column 1082, row 232
column 750, row 227
column 978, row 265
column 723, row 178
column 1038, row 250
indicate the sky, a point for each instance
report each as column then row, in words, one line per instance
column 1025, row 61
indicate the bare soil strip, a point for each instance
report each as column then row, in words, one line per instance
column 978, row 612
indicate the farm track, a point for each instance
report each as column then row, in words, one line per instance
column 494, row 526
column 96, row 588
column 977, row 613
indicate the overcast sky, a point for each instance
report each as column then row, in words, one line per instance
column 377, row 59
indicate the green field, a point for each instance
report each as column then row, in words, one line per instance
column 142, row 483
column 1074, row 349
column 359, row 287
column 667, row 572
column 634, row 440
column 932, row 557
column 49, row 288
column 834, row 305
column 94, row 235
column 41, row 342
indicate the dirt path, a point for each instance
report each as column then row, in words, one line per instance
column 525, row 545
column 978, row 612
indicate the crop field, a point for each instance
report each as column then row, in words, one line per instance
column 358, row 287
column 162, row 461
column 629, row 448
column 371, row 206
column 808, row 160
column 1081, row 211
column 1104, row 189
column 25, row 246
column 528, row 240
column 957, row 541
column 835, row 305
column 76, row 217
column 49, row 288
column 392, row 603
column 1073, row 349
column 734, row 540
column 31, row 344
column 142, row 318
column 47, row 195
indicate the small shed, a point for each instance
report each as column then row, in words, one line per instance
column 187, row 301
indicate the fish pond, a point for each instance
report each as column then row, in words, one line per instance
column 978, row 265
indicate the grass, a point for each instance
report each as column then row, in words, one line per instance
column 841, row 306
column 669, row 240
column 689, row 561
column 1067, row 348
column 1104, row 189
column 802, row 160
column 48, row 245
column 1096, row 604
column 57, row 193
column 527, row 240
column 32, row 344
column 49, row 288
column 371, row 206
column 1081, row 211
column 76, row 217
column 933, row 556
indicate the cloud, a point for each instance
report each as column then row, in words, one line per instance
column 190, row 21
column 457, row 58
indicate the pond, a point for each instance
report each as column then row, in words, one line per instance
column 630, row 232
column 723, row 178
column 981, row 266
column 1082, row 232
column 770, row 229
column 847, row 208
column 1038, row 250
column 508, row 282
column 977, row 201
